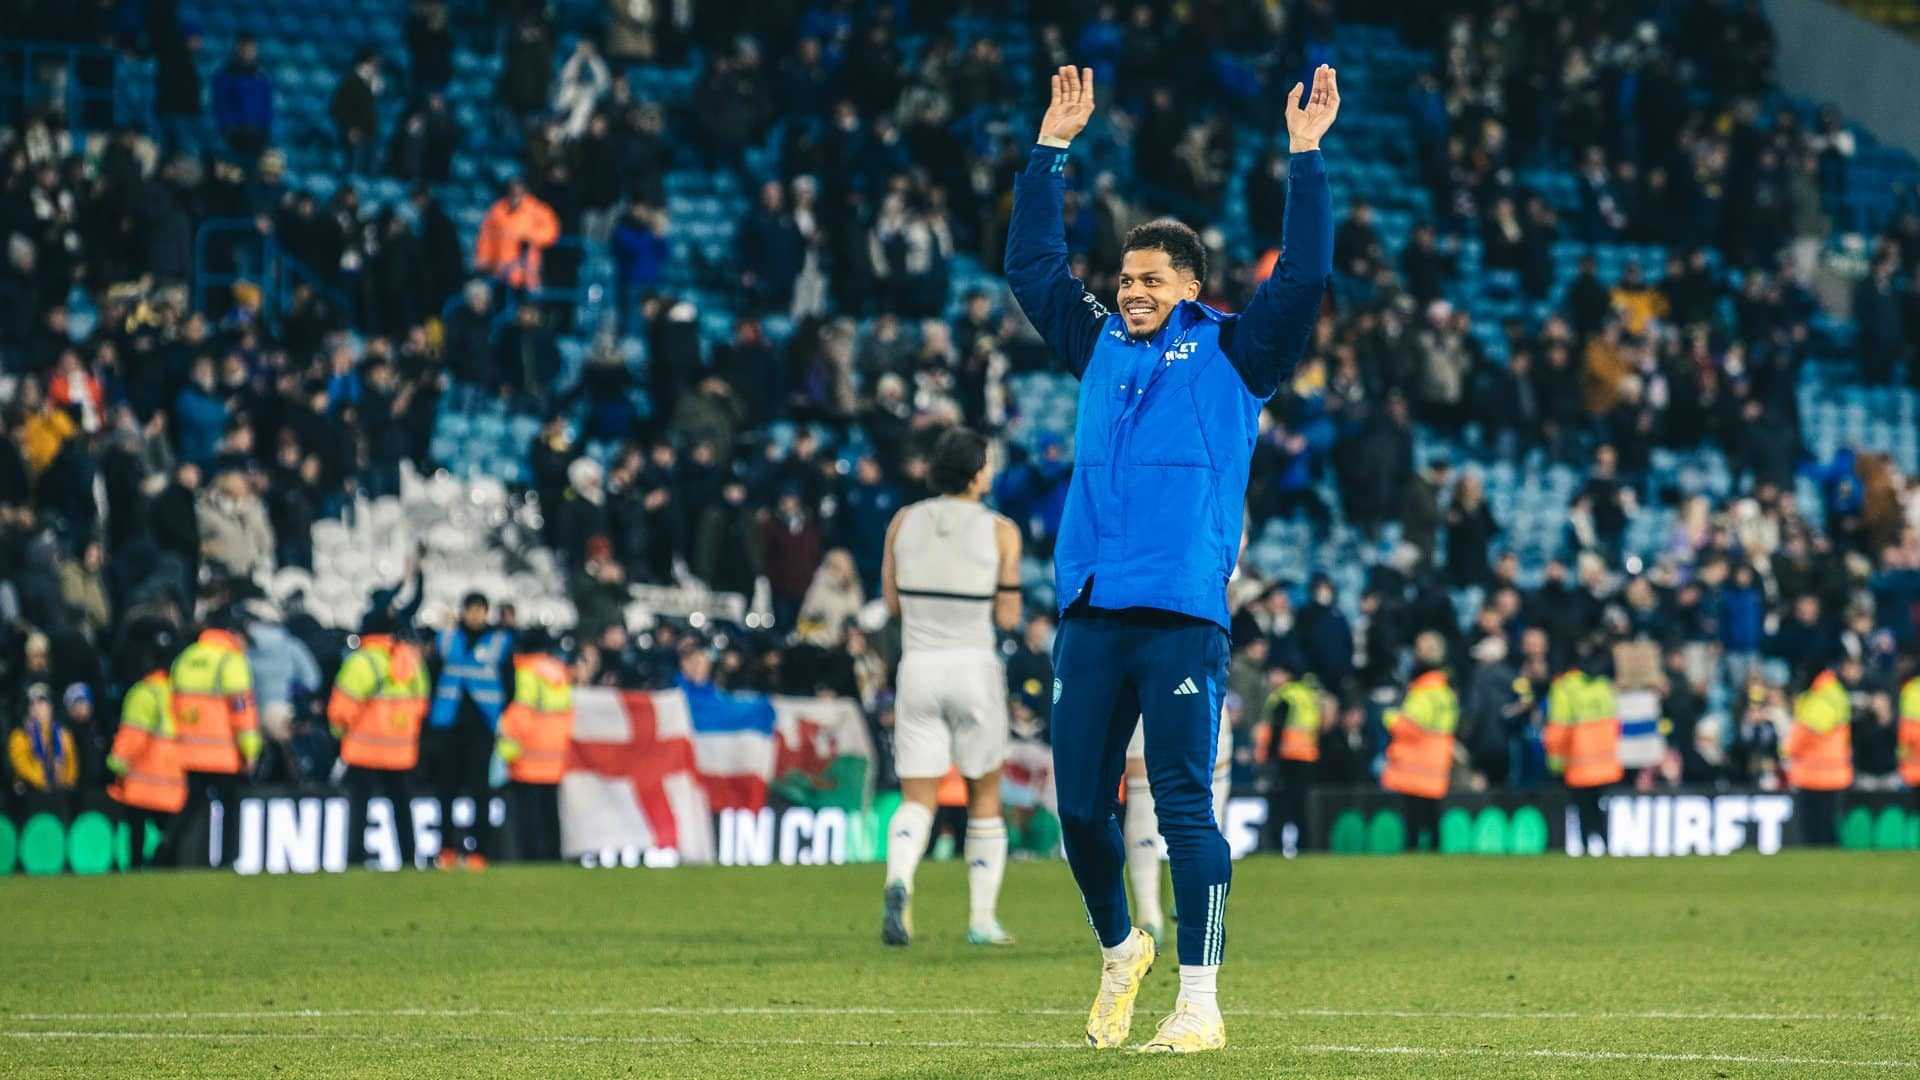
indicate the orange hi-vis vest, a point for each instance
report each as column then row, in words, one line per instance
column 213, row 705
column 1420, row 758
column 1300, row 732
column 1819, row 748
column 1910, row 732
column 1582, row 739
column 379, row 699
column 537, row 726
column 145, row 756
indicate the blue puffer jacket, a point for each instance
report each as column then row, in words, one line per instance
column 1167, row 424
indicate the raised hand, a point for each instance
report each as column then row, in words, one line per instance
column 1070, row 107
column 1307, row 121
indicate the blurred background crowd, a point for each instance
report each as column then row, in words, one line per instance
column 669, row 300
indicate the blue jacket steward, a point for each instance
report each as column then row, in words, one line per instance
column 1167, row 423
column 473, row 667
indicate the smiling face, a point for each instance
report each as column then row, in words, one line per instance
column 1150, row 288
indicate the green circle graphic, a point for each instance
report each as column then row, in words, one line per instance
column 9, row 845
column 43, row 845
column 1387, row 833
column 90, row 843
column 1456, row 831
column 1528, row 835
column 1856, row 829
column 1349, row 834
column 1890, row 829
column 1490, row 832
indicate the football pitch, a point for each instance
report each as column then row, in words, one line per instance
column 1802, row 964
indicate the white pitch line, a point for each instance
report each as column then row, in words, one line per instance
column 882, row 1010
column 491, row 1037
column 1604, row 1055
column 954, row 1044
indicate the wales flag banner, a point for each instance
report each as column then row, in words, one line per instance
column 823, row 755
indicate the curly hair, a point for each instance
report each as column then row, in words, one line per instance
column 1179, row 241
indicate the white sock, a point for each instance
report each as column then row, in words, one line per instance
column 1197, row 987
column 1123, row 951
column 986, row 852
column 907, row 842
column 1141, row 828
column 1222, row 779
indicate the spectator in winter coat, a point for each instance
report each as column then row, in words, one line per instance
column 234, row 535
column 355, row 113
column 429, row 49
column 726, row 549
column 770, row 250
column 1742, row 611
column 1638, row 302
column 1420, row 508
column 73, row 388
column 1877, row 310
column 1446, row 362
column 1347, row 748
column 1804, row 639
column 83, row 589
column 42, row 427
column 516, row 230
column 583, row 526
column 41, row 750
column 243, row 101
column 869, row 506
column 1470, row 531
column 177, row 104
column 285, row 676
column 832, row 600
column 526, row 362
column 790, row 551
column 1325, row 635
column 199, row 415
column 709, row 416
column 639, row 256
column 522, row 89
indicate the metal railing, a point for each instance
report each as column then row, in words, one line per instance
column 257, row 258
column 75, row 84
column 582, row 293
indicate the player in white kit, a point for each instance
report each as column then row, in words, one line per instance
column 950, row 575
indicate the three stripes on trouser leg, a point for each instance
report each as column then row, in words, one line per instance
column 1216, row 924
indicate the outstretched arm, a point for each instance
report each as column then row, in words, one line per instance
column 1274, row 329
column 1055, row 301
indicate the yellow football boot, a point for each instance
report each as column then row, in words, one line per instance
column 1111, row 1017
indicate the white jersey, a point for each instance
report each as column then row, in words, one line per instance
column 946, row 564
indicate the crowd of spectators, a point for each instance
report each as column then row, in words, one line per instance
column 154, row 454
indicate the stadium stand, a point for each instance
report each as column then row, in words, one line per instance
column 1621, row 333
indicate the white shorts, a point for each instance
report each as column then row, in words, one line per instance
column 1223, row 751
column 951, row 710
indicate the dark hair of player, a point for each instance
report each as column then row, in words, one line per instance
column 1181, row 243
column 958, row 456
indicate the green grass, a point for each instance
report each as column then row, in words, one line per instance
column 1800, row 964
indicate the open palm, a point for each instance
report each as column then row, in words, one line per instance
column 1070, row 106
column 1310, row 110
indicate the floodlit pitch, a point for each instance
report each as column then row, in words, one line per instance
column 1419, row 966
